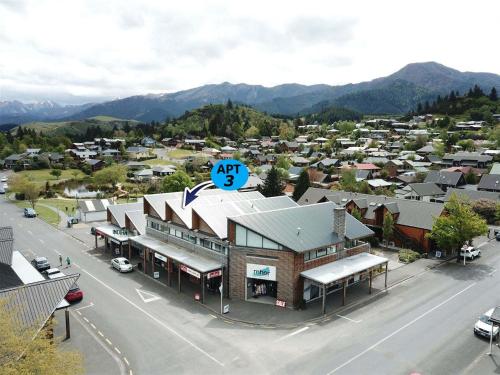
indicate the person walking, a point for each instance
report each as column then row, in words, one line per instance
column 68, row 262
column 60, row 260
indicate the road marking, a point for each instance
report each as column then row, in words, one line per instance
column 147, row 296
column 100, row 333
column 130, row 372
column 303, row 329
column 109, row 342
column 84, row 307
column 120, row 364
column 42, row 241
column 84, row 318
column 481, row 245
column 117, row 350
column 79, row 313
column 158, row 321
column 213, row 316
column 381, row 341
column 93, row 326
column 29, row 232
column 126, row 361
column 349, row 319
column 492, row 272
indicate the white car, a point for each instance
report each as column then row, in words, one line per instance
column 483, row 326
column 53, row 273
column 3, row 179
column 121, row 264
column 470, row 252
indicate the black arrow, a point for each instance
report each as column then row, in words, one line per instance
column 191, row 194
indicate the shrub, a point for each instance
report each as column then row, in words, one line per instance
column 408, row 256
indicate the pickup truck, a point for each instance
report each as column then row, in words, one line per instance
column 470, row 252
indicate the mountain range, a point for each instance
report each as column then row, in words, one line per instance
column 394, row 94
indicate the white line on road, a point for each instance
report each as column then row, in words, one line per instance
column 400, row 329
column 84, row 307
column 117, row 350
column 84, row 318
column 130, row 372
column 349, row 319
column 158, row 321
column 100, row 333
column 79, row 313
column 303, row 329
column 42, row 241
column 93, row 326
column 481, row 245
column 30, row 232
column 109, row 342
column 126, row 361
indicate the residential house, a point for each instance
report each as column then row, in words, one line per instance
column 489, row 182
column 95, row 164
column 148, row 142
column 137, row 152
column 427, row 192
column 471, row 159
column 446, row 179
column 15, row 159
column 163, row 170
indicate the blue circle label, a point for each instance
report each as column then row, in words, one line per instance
column 229, row 174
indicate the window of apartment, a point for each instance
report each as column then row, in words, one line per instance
column 205, row 243
column 155, row 225
column 241, row 236
column 253, row 239
column 249, row 238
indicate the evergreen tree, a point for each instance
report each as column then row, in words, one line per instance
column 272, row 184
column 493, row 94
column 302, row 185
column 388, row 226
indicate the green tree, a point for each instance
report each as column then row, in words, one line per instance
column 29, row 189
column 470, row 178
column 176, row 182
column 493, row 94
column 111, row 175
column 348, row 180
column 388, row 226
column 356, row 214
column 272, row 184
column 302, row 185
column 364, row 188
column 457, row 226
column 283, row 162
column 23, row 350
column 56, row 173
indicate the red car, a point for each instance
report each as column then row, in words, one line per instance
column 74, row 294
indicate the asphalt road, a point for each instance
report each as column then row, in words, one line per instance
column 422, row 325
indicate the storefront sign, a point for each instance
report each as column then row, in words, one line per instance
column 156, row 275
column 122, row 232
column 260, row 271
column 213, row 274
column 161, row 257
column 226, row 309
column 190, row 271
column 280, row 303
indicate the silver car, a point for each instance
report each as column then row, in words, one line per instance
column 121, row 264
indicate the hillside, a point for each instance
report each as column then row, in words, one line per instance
column 230, row 120
column 75, row 129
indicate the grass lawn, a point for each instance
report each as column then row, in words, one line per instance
column 43, row 213
column 42, row 175
column 180, row 153
column 61, row 204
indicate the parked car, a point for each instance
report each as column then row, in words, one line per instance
column 41, row 264
column 29, row 212
column 3, row 179
column 498, row 236
column 483, row 326
column 75, row 294
column 121, row 264
column 470, row 252
column 53, row 273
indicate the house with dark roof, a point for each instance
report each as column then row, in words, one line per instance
column 427, row 192
column 95, row 164
column 467, row 159
column 489, row 182
column 327, row 163
column 412, row 219
column 15, row 159
column 445, row 179
column 472, row 195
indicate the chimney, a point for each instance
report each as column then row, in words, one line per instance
column 339, row 221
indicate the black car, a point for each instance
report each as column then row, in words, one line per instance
column 498, row 236
column 41, row 264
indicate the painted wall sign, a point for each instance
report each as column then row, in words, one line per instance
column 261, row 271
column 280, row 303
column 190, row 271
column 213, row 274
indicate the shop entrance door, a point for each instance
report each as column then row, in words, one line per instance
column 264, row 291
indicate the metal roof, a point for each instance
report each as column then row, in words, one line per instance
column 34, row 303
column 181, row 255
column 343, row 268
column 217, row 219
column 8, row 277
column 490, row 182
column 112, row 231
column 157, row 201
column 426, row 189
column 302, row 228
column 444, row 177
column 208, row 197
column 118, row 211
column 94, row 205
column 138, row 219
column 6, row 248
column 471, row 194
column 6, row 233
column 24, row 270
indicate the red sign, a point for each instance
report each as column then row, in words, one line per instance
column 213, row 274
column 190, row 271
column 280, row 303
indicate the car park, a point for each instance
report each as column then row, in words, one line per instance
column 29, row 212
column 41, row 264
column 483, row 326
column 470, row 252
column 75, row 294
column 121, row 264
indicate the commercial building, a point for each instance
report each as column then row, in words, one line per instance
column 260, row 249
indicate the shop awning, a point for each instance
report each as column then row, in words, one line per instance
column 180, row 255
column 114, row 232
column 343, row 268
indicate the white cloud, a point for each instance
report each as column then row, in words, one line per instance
column 118, row 48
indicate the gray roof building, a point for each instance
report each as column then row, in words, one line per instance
column 489, row 182
column 471, row 194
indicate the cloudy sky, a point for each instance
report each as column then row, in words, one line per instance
column 79, row 50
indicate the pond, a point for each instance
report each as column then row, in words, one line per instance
column 80, row 191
